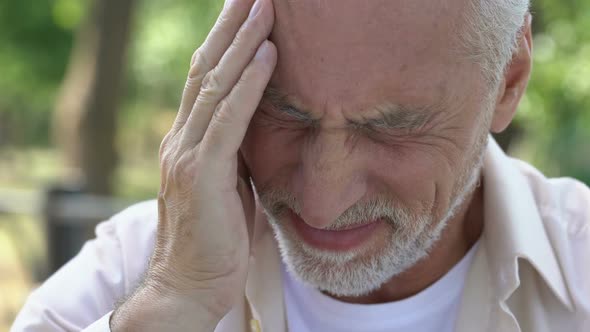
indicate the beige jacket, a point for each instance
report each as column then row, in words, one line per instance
column 531, row 271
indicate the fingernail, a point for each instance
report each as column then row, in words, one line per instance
column 256, row 8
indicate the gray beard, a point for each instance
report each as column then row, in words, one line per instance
column 359, row 272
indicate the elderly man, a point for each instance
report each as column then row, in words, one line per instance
column 330, row 169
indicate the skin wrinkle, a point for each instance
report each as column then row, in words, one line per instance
column 408, row 138
column 355, row 282
column 393, row 117
column 397, row 117
column 344, row 289
column 435, row 203
column 308, row 263
column 418, row 165
column 326, row 166
column 280, row 101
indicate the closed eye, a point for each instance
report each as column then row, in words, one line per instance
column 282, row 118
column 384, row 134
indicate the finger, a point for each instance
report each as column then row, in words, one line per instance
column 228, row 126
column 218, row 83
column 207, row 56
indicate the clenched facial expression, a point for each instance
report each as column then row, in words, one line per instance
column 369, row 137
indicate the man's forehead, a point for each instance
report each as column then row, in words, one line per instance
column 341, row 47
column 412, row 26
column 373, row 10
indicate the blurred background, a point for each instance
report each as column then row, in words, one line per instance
column 88, row 88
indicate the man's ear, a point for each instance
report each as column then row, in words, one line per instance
column 515, row 79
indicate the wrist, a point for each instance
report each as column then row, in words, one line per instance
column 148, row 310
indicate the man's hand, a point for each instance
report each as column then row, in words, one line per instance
column 199, row 266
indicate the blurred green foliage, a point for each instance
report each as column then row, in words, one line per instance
column 556, row 110
column 36, row 38
column 34, row 52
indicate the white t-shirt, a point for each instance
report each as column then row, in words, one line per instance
column 432, row 310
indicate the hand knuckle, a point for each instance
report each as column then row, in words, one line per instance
column 194, row 57
column 238, row 38
column 213, row 139
column 164, row 144
column 184, row 169
column 226, row 107
column 166, row 148
column 223, row 111
column 199, row 66
column 211, row 83
column 192, row 84
column 166, row 161
column 224, row 20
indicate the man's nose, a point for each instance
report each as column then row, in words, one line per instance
column 329, row 180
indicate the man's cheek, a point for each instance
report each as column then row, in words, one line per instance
column 268, row 156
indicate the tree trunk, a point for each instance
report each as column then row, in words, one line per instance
column 86, row 110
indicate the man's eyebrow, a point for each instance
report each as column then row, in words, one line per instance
column 400, row 117
column 388, row 115
column 280, row 102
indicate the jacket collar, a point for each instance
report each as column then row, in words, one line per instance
column 264, row 288
column 514, row 229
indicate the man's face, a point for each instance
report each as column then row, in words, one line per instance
column 369, row 138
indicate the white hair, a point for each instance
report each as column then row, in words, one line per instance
column 490, row 34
